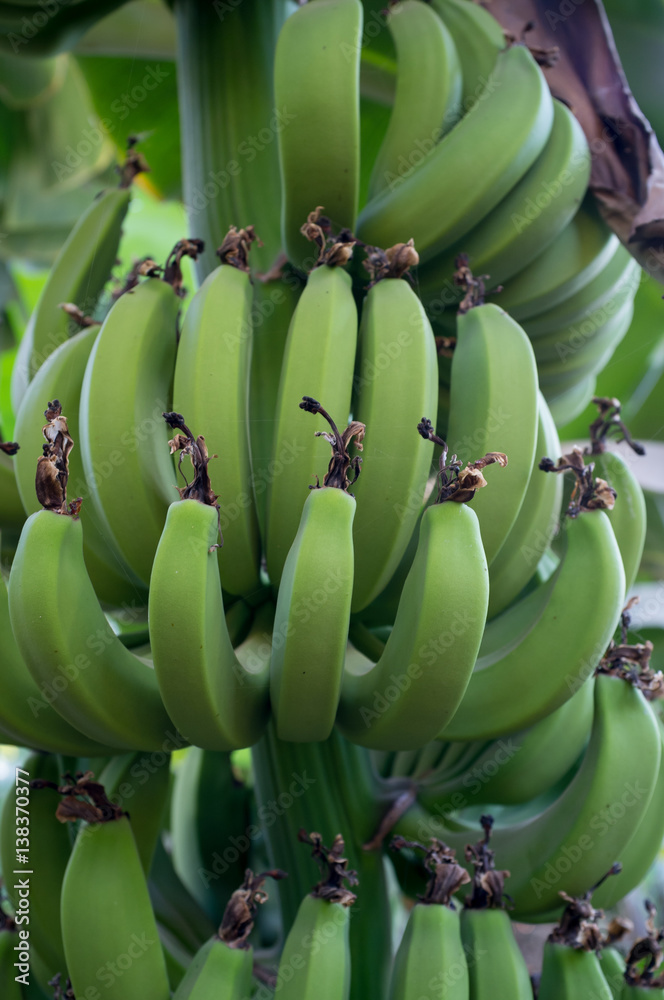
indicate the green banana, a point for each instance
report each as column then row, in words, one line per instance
column 395, row 383
column 526, row 221
column 590, row 357
column 12, row 515
column 318, row 362
column 568, row 404
column 126, row 461
column 108, row 927
column 513, row 120
column 215, row 700
column 307, row 662
column 27, row 715
column 535, row 525
column 534, row 664
column 78, row 275
column 317, row 78
column 613, row 969
column 495, row 964
column 211, row 386
column 430, row 960
column 478, row 39
column 61, row 378
column 45, row 843
column 570, row 973
column 428, row 96
column 492, row 354
column 424, row 670
column 93, row 681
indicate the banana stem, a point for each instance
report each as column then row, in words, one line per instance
column 331, row 788
column 229, row 123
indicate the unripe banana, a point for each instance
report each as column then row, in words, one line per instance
column 491, row 355
column 218, row 972
column 315, row 961
column 95, row 683
column 496, row 967
column 12, row 514
column 511, row 123
column 144, row 791
column 428, row 96
column 317, row 78
column 211, row 386
column 571, row 974
column 318, row 362
column 109, row 930
column 478, row 38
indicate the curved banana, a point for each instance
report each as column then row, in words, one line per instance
column 93, row 681
column 317, row 79
column 395, row 383
column 535, row 525
column 27, row 715
column 309, row 643
column 527, row 220
column 577, row 255
column 47, row 845
column 492, row 354
column 424, row 670
column 478, row 38
column 318, row 361
column 428, row 95
column 61, row 377
column 588, row 358
column 78, row 275
column 544, row 665
column 110, row 934
column 211, row 386
column 568, row 404
column 569, row 973
column 215, row 700
column 124, row 441
column 512, row 121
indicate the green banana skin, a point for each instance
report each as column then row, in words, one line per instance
column 428, row 659
column 430, row 961
column 390, row 399
column 478, row 39
column 177, row 912
column 316, row 954
column 100, row 687
column 613, row 967
column 218, row 972
column 26, row 717
column 518, row 229
column 571, row 974
column 275, row 303
column 628, row 517
column 129, row 375
column 535, row 525
column 589, row 357
column 496, row 967
column 492, row 351
column 11, row 989
column 519, row 104
column 12, row 515
column 141, row 786
column 521, row 767
column 318, row 361
column 78, row 275
column 543, row 674
column 209, row 815
column 61, row 377
column 568, row 404
column 428, row 96
column 211, row 390
column 317, row 77
column 214, row 700
column 308, row 650
column 49, row 849
column 108, row 927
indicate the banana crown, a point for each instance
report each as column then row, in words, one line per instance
column 334, row 868
column 446, row 875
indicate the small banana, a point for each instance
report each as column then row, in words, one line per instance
column 511, row 123
column 318, row 361
column 431, row 960
column 211, row 385
column 428, row 659
column 571, row 967
column 127, row 386
column 478, row 38
column 492, row 354
column 428, row 96
column 308, row 646
column 78, row 275
column 110, row 934
column 395, row 383
column 214, row 699
column 317, row 78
